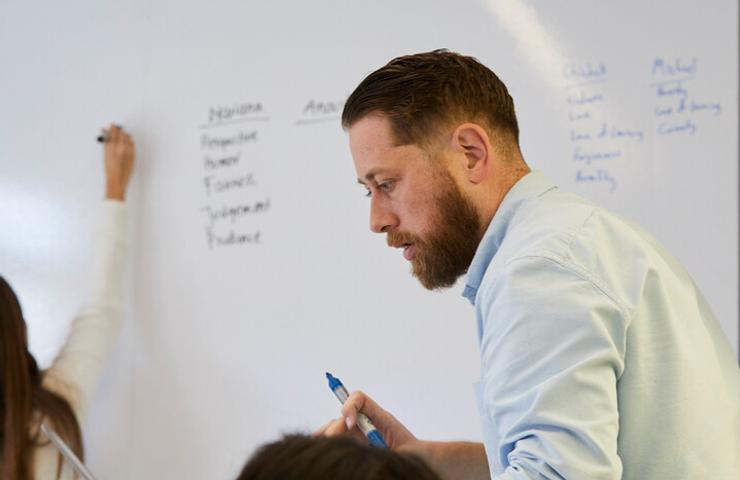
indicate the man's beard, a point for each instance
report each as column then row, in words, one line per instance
column 444, row 254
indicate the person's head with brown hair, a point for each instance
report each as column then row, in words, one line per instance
column 24, row 401
column 305, row 457
column 435, row 141
column 425, row 93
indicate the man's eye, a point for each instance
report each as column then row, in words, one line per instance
column 386, row 186
column 368, row 193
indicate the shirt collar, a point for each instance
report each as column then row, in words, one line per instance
column 532, row 185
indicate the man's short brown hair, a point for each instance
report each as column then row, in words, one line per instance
column 422, row 94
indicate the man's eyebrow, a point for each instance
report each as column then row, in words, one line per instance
column 370, row 175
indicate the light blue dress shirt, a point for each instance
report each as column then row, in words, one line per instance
column 600, row 359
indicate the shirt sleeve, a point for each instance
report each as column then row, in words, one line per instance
column 552, row 352
column 76, row 370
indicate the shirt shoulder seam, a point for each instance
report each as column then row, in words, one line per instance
column 579, row 272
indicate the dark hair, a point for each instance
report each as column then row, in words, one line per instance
column 303, row 457
column 22, row 395
column 422, row 93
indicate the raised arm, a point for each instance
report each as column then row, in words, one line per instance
column 76, row 370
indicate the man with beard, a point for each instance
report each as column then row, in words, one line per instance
column 599, row 356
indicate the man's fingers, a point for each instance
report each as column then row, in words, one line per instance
column 394, row 432
column 322, row 429
column 334, row 427
column 338, row 427
column 359, row 402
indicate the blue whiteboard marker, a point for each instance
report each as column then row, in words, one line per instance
column 364, row 423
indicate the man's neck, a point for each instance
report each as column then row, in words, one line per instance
column 498, row 190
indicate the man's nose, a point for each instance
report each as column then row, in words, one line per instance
column 382, row 219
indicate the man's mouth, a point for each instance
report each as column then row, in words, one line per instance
column 409, row 246
column 409, row 249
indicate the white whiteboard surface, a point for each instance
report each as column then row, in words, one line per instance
column 224, row 347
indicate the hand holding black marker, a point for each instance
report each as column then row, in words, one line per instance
column 103, row 137
column 364, row 423
column 119, row 153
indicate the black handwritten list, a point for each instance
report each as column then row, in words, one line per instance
column 234, row 199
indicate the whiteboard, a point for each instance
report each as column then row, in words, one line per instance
column 252, row 268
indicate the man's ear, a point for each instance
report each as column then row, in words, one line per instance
column 473, row 142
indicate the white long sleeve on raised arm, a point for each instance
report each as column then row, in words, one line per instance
column 77, row 369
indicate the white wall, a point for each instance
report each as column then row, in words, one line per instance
column 225, row 347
